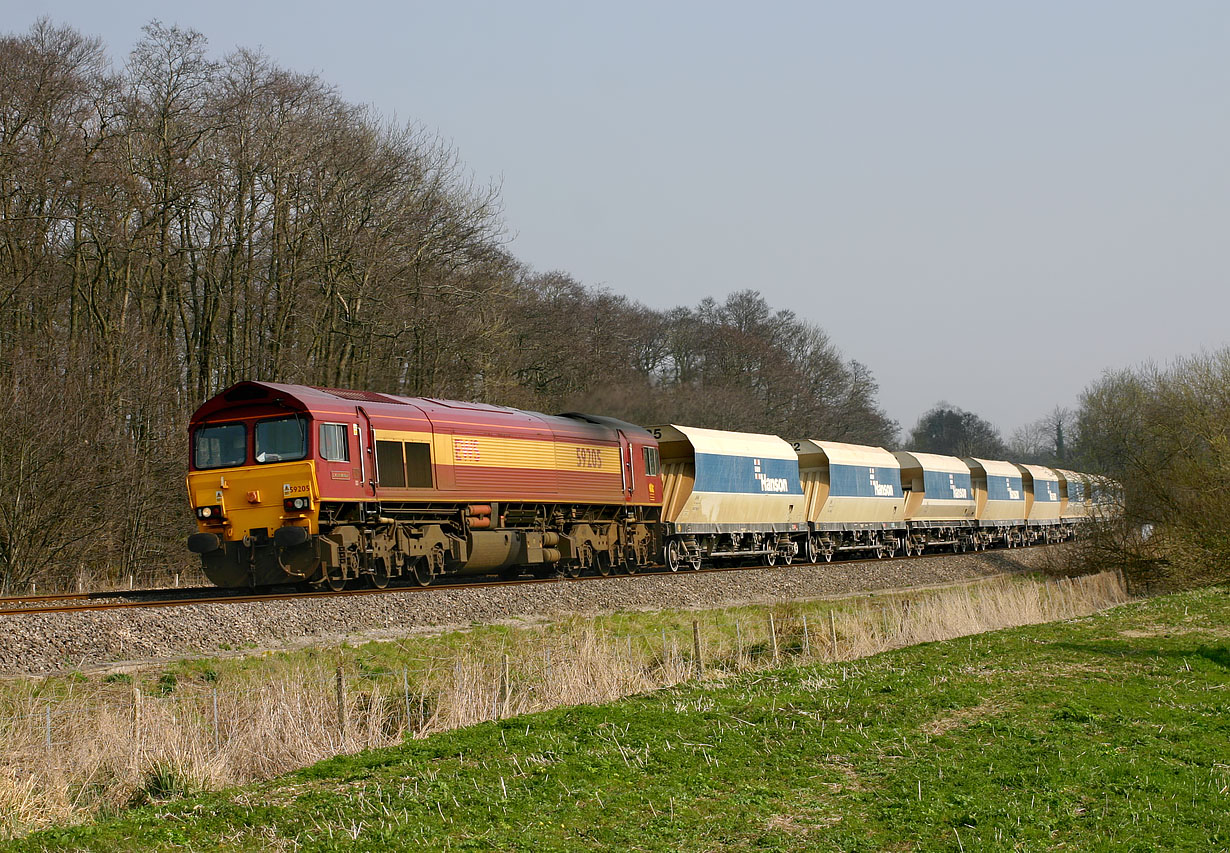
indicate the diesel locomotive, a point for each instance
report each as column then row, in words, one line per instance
column 327, row 486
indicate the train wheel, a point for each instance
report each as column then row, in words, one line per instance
column 770, row 558
column 334, row 578
column 379, row 578
column 603, row 562
column 828, row 554
column 629, row 564
column 811, row 552
column 674, row 556
column 694, row 560
column 788, row 555
column 420, row 569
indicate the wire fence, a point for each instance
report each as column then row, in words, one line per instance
column 155, row 577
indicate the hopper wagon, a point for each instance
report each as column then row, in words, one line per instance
column 999, row 492
column 728, row 496
column 1043, row 503
column 853, row 497
column 940, row 505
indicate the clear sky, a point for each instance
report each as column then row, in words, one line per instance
column 988, row 203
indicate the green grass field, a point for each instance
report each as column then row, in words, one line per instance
column 1110, row 732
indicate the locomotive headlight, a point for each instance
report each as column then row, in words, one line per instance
column 209, row 513
column 297, row 504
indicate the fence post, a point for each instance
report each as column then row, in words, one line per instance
column 136, row 725
column 773, row 635
column 833, row 631
column 405, row 692
column 177, row 580
column 217, row 736
column 700, row 666
column 505, row 687
column 341, row 703
column 130, row 581
column 739, row 642
column 48, row 729
column 806, row 638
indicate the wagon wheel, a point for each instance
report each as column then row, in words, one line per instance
column 828, row 553
column 811, row 551
column 674, row 555
column 788, row 554
column 770, row 557
column 694, row 559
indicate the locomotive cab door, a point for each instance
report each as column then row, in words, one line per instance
column 367, row 456
column 627, row 471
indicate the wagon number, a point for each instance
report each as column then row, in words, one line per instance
column 589, row 457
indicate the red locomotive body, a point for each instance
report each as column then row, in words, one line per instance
column 293, row 483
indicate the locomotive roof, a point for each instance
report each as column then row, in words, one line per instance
column 309, row 398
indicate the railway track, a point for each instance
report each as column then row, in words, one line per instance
column 81, row 602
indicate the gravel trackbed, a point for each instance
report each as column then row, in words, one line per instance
column 93, row 640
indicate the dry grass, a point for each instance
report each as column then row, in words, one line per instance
column 111, row 744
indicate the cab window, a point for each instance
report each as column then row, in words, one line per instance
column 333, row 444
column 281, row 439
column 652, row 463
column 221, row 446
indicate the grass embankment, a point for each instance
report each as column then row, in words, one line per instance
column 1108, row 732
column 74, row 745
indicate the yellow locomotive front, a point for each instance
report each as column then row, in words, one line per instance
column 252, row 487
